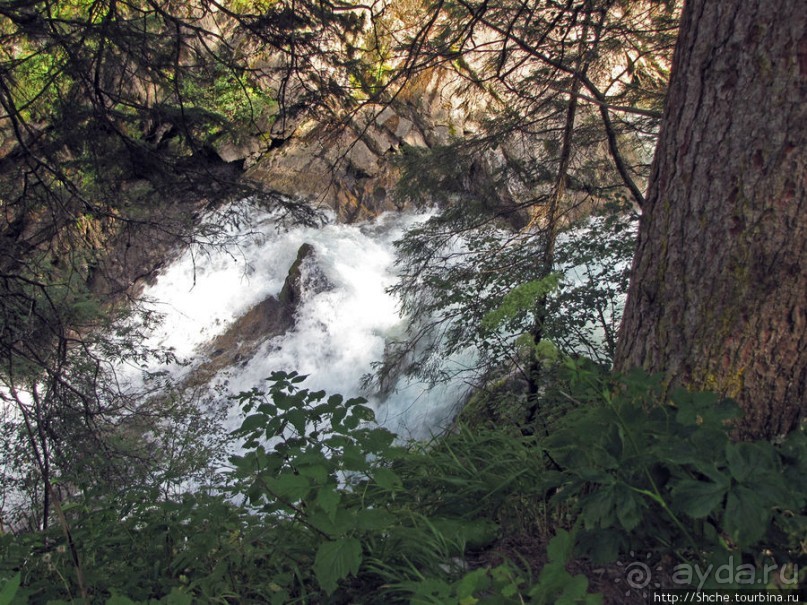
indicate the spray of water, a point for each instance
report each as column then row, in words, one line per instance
column 338, row 333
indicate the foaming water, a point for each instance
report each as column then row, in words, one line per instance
column 338, row 332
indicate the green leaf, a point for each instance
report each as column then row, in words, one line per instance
column 519, row 299
column 574, row 590
column 317, row 472
column 290, row 487
column 252, row 423
column 551, row 581
column 387, row 479
column 703, row 409
column 602, row 545
column 328, row 500
column 298, row 419
column 119, row 600
column 338, row 416
column 362, row 412
column 472, row 582
column 431, row 590
column 341, row 522
column 8, row 589
column 335, row 561
column 630, row 507
column 177, row 597
column 751, row 461
column 353, row 458
column 698, row 498
column 374, row 519
column 336, row 441
column 378, row 440
column 599, row 508
column 747, row 515
column 560, row 547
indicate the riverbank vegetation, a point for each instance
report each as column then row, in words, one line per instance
column 323, row 506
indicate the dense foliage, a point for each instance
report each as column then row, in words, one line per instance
column 111, row 115
column 326, row 507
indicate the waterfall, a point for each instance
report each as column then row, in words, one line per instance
column 338, row 332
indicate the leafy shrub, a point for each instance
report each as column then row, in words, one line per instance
column 323, row 506
column 649, row 469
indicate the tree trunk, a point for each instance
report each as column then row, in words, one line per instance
column 718, row 296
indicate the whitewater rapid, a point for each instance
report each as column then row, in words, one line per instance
column 338, row 334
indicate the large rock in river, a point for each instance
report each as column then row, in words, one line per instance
column 271, row 317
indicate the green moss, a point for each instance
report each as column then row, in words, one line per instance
column 730, row 385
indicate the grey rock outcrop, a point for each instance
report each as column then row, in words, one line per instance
column 352, row 168
column 271, row 317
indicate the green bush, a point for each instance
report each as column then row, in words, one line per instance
column 324, row 506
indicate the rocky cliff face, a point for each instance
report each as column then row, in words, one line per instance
column 352, row 167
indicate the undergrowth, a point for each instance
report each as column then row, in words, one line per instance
column 322, row 505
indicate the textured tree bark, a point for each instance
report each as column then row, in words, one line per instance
column 718, row 297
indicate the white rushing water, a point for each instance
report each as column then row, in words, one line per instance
column 338, row 333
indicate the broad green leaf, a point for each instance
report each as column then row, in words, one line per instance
column 328, row 500
column 431, row 590
column 378, row 440
column 284, row 402
column 335, row 561
column 592, row 475
column 747, row 515
column 289, row 487
column 560, row 547
column 599, row 508
column 177, row 597
column 338, row 416
column 298, row 419
column 472, row 582
column 119, row 600
column 8, row 589
column 317, row 472
column 280, row 598
column 363, row 413
column 268, row 408
column 335, row 441
column 552, row 580
column 698, row 498
column 629, row 507
column 703, row 409
column 387, row 479
column 353, row 458
column 374, row 519
column 574, row 590
column 602, row 545
column 751, row 461
column 252, row 423
column 341, row 522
